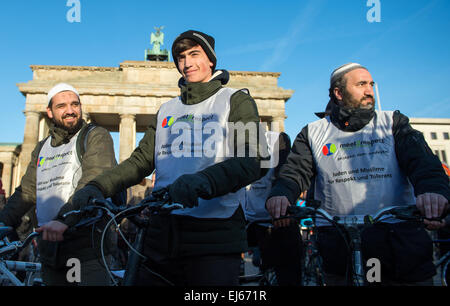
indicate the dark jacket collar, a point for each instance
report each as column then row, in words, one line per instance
column 193, row 93
column 350, row 119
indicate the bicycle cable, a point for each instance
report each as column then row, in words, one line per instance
column 113, row 219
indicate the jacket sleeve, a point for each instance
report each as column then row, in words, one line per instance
column 131, row 171
column 418, row 162
column 242, row 169
column 295, row 175
column 98, row 157
column 24, row 197
column 284, row 148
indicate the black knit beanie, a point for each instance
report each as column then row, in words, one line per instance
column 204, row 40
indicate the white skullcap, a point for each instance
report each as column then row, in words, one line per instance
column 339, row 72
column 59, row 88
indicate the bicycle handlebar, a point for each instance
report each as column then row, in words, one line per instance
column 153, row 203
column 407, row 213
column 17, row 246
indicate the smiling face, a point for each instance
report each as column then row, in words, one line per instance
column 65, row 110
column 195, row 65
column 358, row 92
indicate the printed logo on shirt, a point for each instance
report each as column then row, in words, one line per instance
column 190, row 118
column 45, row 160
column 329, row 149
column 41, row 161
column 167, row 122
column 358, row 144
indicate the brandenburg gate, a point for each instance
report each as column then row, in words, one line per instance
column 123, row 99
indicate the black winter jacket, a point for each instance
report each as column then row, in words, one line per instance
column 418, row 163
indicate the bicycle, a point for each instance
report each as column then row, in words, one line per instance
column 152, row 205
column 8, row 267
column 353, row 227
column 312, row 263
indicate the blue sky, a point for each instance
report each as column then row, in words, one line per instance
column 407, row 52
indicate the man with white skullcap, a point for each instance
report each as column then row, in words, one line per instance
column 360, row 160
column 73, row 154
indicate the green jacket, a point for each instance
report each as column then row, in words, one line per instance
column 98, row 156
column 188, row 235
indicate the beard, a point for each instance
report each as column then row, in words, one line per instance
column 350, row 102
column 71, row 128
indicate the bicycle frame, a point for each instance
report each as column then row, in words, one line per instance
column 134, row 259
column 312, row 274
column 7, row 266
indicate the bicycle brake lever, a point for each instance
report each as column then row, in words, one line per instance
column 172, row 206
column 72, row 212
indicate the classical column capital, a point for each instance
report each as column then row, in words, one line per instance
column 31, row 113
column 127, row 116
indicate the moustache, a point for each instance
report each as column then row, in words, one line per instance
column 367, row 98
column 69, row 115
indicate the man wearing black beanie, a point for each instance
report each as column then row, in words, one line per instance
column 201, row 244
column 192, row 38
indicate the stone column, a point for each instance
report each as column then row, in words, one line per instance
column 30, row 139
column 43, row 128
column 7, row 177
column 127, row 135
column 277, row 124
column 86, row 117
column 15, row 180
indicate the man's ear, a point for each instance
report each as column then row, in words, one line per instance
column 49, row 113
column 337, row 93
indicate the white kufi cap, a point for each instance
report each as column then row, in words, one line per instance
column 59, row 88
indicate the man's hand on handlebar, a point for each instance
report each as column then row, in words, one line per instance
column 432, row 205
column 277, row 207
column 188, row 188
column 52, row 231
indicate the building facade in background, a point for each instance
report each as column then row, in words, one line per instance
column 122, row 99
column 437, row 135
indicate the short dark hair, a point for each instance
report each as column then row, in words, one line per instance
column 183, row 45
